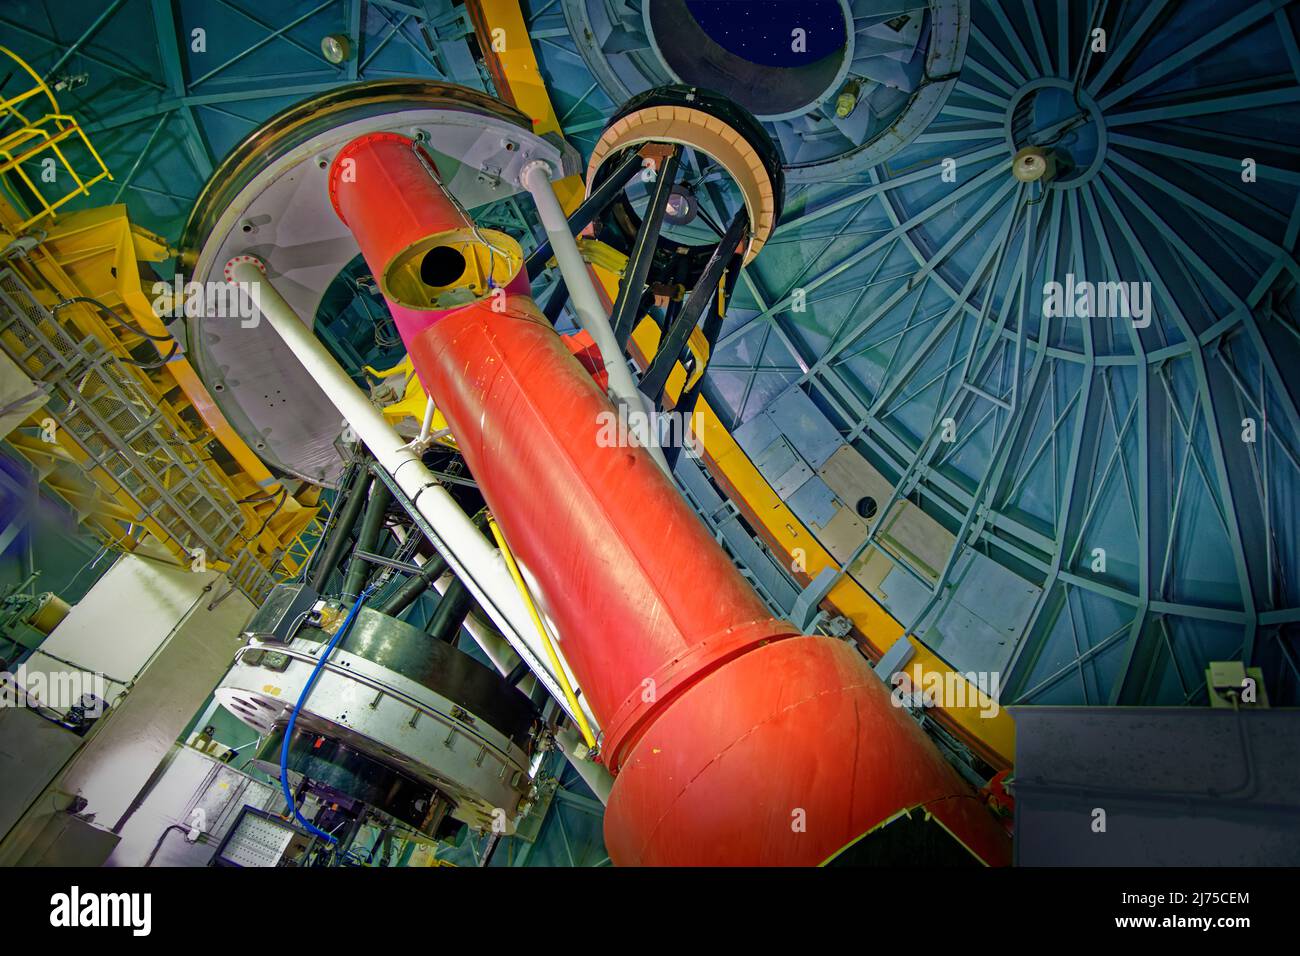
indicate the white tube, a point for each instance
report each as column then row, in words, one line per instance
column 600, row 780
column 536, row 178
column 427, row 426
column 473, row 558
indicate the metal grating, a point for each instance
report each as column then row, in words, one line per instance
column 97, row 401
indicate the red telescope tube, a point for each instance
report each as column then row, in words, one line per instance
column 735, row 739
column 379, row 184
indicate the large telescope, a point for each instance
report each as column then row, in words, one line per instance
column 734, row 739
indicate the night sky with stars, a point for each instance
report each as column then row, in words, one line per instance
column 759, row 30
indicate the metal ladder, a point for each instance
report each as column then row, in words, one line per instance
column 98, row 405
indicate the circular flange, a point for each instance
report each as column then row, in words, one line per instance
column 270, row 199
column 693, row 57
column 709, row 124
column 1049, row 113
column 463, row 736
column 228, row 270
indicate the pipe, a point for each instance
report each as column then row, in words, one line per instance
column 734, row 739
column 517, row 673
column 536, row 178
column 450, row 613
column 415, row 585
column 371, row 526
column 590, row 208
column 542, row 632
column 426, row 427
column 354, row 498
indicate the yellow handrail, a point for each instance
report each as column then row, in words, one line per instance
column 569, row 695
column 9, row 103
column 32, row 137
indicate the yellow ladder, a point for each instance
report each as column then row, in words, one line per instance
column 24, row 141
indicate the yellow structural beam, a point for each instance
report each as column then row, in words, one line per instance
column 409, row 398
column 101, row 250
column 97, row 254
column 508, row 53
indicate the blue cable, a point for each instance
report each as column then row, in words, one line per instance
column 293, row 717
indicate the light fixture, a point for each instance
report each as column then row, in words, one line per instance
column 1032, row 164
column 847, row 101
column 337, row 47
column 681, row 207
